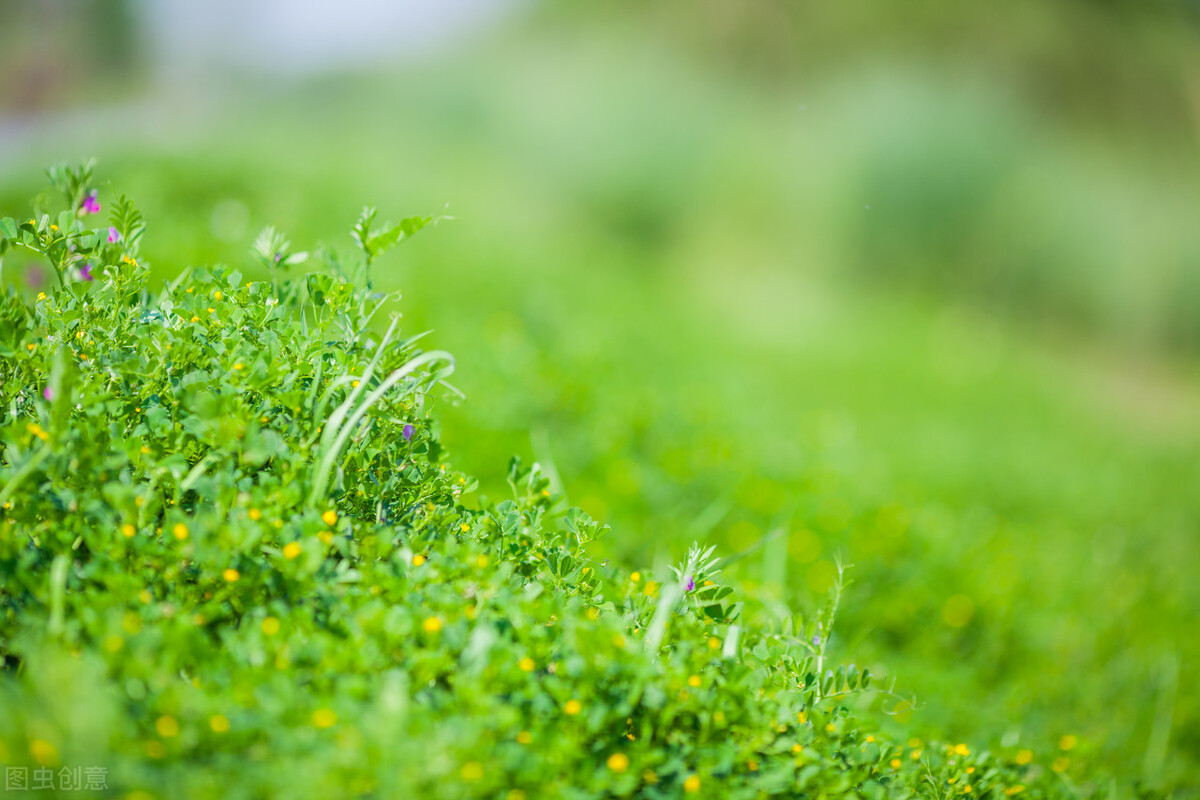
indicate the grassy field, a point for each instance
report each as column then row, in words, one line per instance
column 664, row 304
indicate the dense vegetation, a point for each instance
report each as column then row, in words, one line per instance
column 236, row 562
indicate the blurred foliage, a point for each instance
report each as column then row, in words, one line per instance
column 665, row 283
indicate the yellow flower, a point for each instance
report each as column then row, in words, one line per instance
column 128, row 530
column 43, row 752
column 237, row 366
column 694, row 681
column 481, row 562
column 291, row 550
column 870, row 738
column 618, row 762
column 914, row 755
column 472, row 771
column 354, row 384
column 895, row 762
column 797, row 748
column 962, row 750
column 691, row 785
column 326, row 537
column 270, row 626
column 211, row 310
column 713, row 643
column 195, row 318
column 514, row 794
column 167, row 726
column 324, row 718
column 53, row 227
column 1024, row 756
column 41, row 296
column 802, row 718
column 254, row 514
column 217, row 295
column 635, row 577
column 526, row 664
column 219, row 723
column 1060, row 764
column 752, row 765
column 231, row 575
column 180, row 531
column 432, row 624
column 1068, row 742
column 967, row 789
column 1010, row 791
column 464, row 527
column 572, row 707
column 329, row 517
column 418, row 560
column 524, row 737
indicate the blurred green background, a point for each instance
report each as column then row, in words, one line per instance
column 918, row 285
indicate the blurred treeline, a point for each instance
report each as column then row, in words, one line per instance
column 1038, row 157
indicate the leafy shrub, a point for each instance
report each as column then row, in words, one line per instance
column 236, row 562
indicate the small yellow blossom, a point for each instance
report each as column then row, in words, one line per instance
column 796, row 748
column 915, row 755
column 572, row 707
column 217, row 295
column 691, row 785
column 231, row 575
column 219, row 723
column 291, row 550
column 694, row 681
column 128, row 531
column 180, row 531
column 41, row 296
column 870, row 738
column 326, row 537
column 432, row 624
column 1010, row 791
column 1068, row 742
column 752, row 765
column 1060, row 764
column 195, row 318
column 895, row 762
column 713, row 643
column 238, row 366
column 962, row 750
column 472, row 771
column 481, row 562
column 329, row 517
column 635, row 577
column 324, row 718
column 270, row 626
column 43, row 752
column 618, row 762
column 464, row 527
column 1024, row 756
column 167, row 726
column 802, row 718
column 526, row 664
column 524, row 737
column 418, row 560
column 254, row 514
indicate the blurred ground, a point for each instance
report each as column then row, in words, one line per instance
column 920, row 290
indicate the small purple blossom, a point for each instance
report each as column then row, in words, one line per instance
column 689, row 584
column 85, row 272
column 114, row 235
column 90, row 204
column 408, row 432
column 48, row 393
column 816, row 640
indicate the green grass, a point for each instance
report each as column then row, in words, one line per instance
column 645, row 304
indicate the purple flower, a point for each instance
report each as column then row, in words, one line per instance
column 85, row 272
column 689, row 584
column 48, row 393
column 114, row 235
column 816, row 640
column 90, row 204
column 408, row 432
